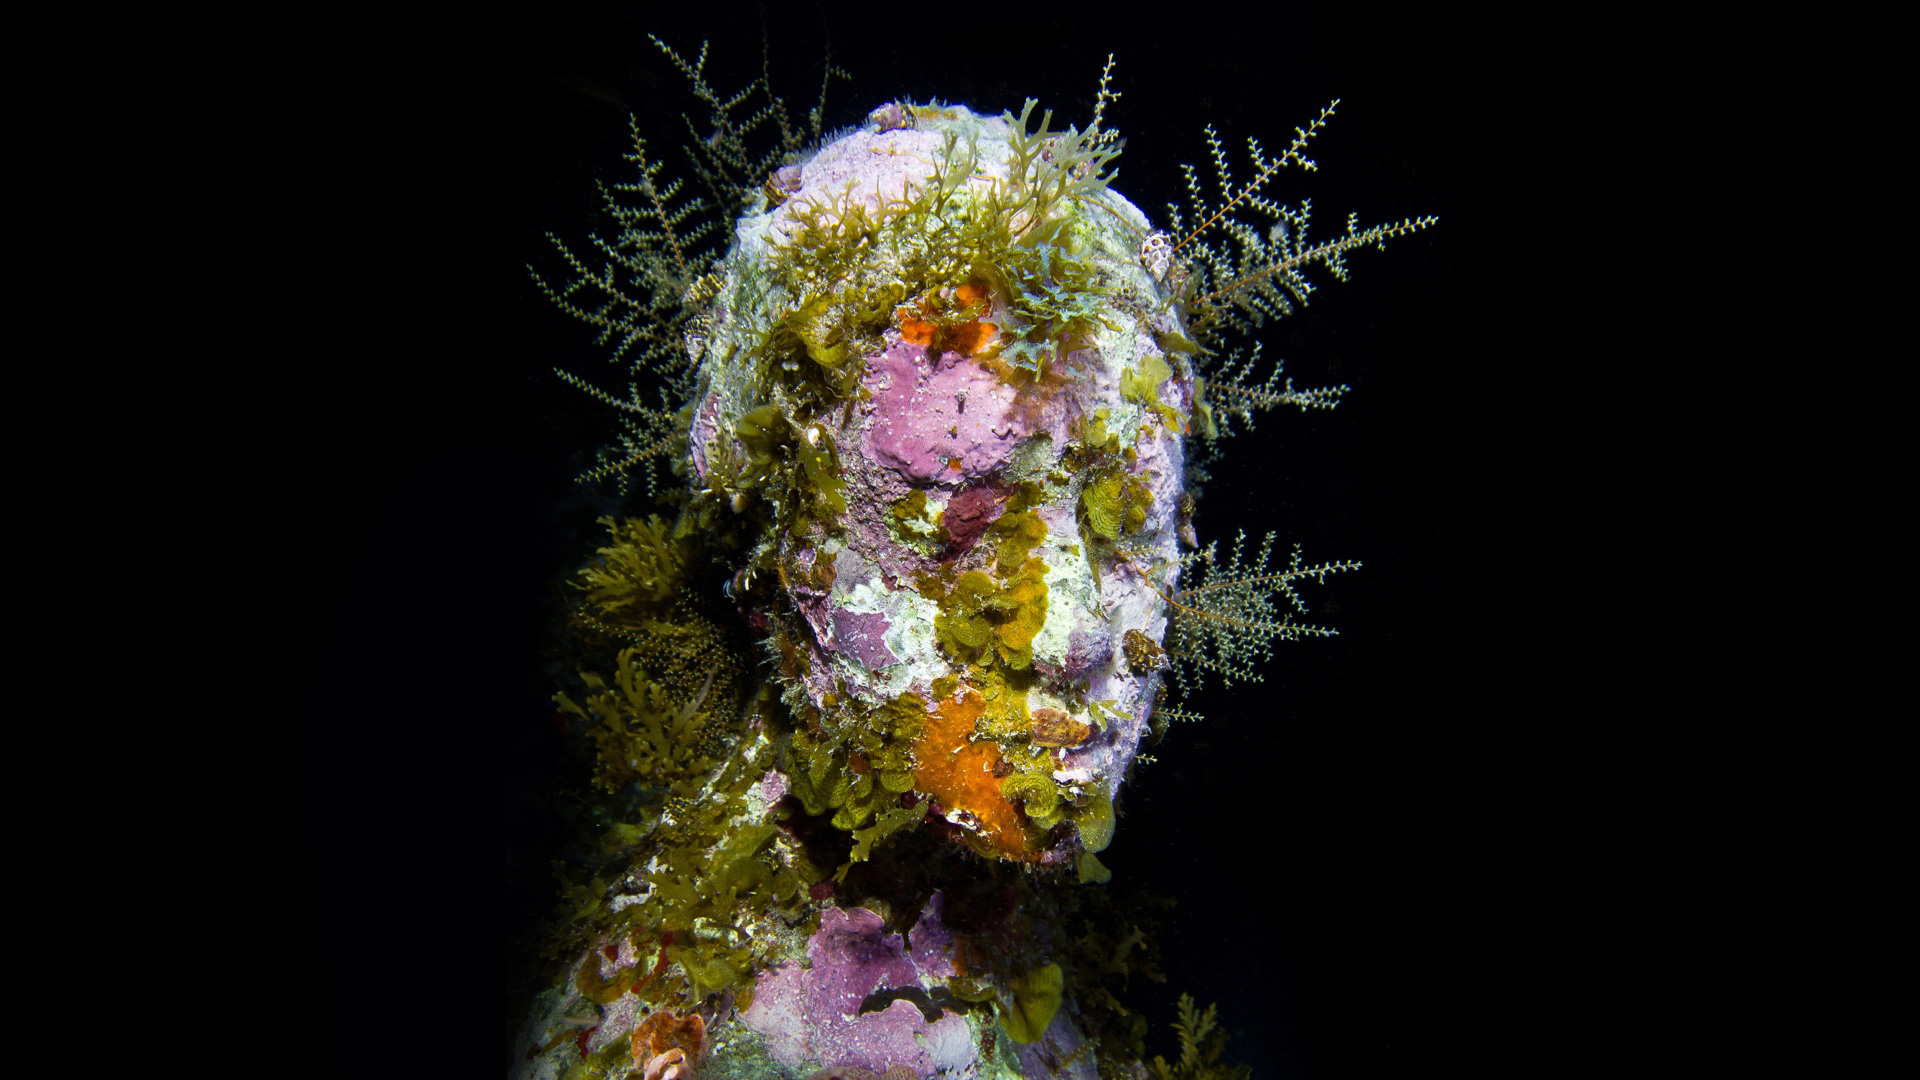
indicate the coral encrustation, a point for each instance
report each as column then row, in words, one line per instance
column 1006, row 467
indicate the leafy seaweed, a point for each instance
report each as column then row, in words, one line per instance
column 1202, row 1041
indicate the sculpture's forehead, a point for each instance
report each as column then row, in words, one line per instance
column 869, row 167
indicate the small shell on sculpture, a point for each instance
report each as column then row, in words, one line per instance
column 781, row 184
column 671, row 1065
column 1156, row 254
column 893, row 116
column 1054, row 728
column 700, row 291
column 699, row 329
column 1143, row 654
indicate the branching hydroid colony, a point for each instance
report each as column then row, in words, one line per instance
column 920, row 394
column 642, row 289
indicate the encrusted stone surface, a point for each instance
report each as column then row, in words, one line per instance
column 954, row 428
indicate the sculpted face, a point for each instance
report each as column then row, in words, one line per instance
column 968, row 494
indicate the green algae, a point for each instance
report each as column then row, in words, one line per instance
column 1113, row 504
column 1091, row 870
column 1095, row 821
column 1034, row 1000
column 987, row 620
column 856, row 768
column 914, row 524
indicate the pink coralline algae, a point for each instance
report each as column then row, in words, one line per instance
column 862, row 635
column 941, row 418
column 816, row 1013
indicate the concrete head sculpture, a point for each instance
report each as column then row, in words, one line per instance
column 928, row 403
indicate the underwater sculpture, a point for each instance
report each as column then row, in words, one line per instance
column 863, row 708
